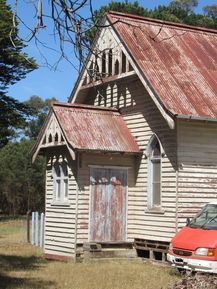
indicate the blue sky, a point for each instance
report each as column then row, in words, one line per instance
column 47, row 83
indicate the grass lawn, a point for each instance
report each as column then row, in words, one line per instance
column 23, row 266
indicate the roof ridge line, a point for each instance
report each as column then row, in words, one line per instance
column 158, row 21
column 84, row 106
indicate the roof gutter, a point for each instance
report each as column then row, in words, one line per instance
column 198, row 118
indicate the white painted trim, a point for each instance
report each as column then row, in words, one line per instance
column 126, row 217
column 148, row 148
column 177, row 183
column 89, row 205
column 46, row 203
column 150, row 175
column 81, row 77
column 51, row 117
column 109, row 167
column 76, row 207
column 63, row 166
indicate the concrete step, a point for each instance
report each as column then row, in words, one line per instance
column 106, row 260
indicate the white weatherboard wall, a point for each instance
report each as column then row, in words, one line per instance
column 197, row 157
column 59, row 218
column 143, row 119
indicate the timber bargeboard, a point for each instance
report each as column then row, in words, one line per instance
column 51, row 135
column 107, row 39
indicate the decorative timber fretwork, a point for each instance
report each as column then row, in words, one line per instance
column 107, row 62
column 53, row 134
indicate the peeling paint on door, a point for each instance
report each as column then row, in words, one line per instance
column 108, row 204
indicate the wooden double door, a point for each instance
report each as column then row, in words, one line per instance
column 108, row 202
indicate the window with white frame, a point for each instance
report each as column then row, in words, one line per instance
column 60, row 181
column 154, row 156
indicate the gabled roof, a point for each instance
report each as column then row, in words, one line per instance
column 178, row 61
column 90, row 128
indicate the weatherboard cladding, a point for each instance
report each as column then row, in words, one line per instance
column 178, row 61
column 95, row 128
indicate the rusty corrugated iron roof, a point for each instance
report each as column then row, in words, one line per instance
column 178, row 61
column 94, row 128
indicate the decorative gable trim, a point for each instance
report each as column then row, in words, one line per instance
column 51, row 135
column 75, row 126
column 106, row 63
column 105, row 72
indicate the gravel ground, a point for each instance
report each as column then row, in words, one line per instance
column 197, row 281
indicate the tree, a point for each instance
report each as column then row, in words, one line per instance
column 186, row 5
column 182, row 11
column 125, row 7
column 12, row 116
column 211, row 11
column 14, row 65
column 40, row 110
column 22, row 184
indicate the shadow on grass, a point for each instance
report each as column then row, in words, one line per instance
column 13, row 263
column 7, row 282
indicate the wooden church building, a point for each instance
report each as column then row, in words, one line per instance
column 134, row 151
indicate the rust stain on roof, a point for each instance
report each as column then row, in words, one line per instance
column 94, row 128
column 178, row 61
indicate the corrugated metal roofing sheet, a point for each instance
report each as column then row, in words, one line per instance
column 179, row 62
column 94, row 128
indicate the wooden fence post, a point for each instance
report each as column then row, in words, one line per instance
column 28, row 225
column 33, row 228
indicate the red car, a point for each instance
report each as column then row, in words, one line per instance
column 195, row 246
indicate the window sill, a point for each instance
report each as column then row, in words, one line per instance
column 159, row 211
column 60, row 204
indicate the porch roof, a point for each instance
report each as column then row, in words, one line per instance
column 94, row 128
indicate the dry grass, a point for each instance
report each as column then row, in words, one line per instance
column 22, row 266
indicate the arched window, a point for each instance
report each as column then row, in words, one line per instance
column 60, row 181
column 154, row 156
